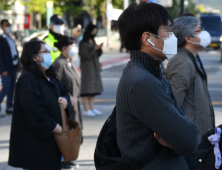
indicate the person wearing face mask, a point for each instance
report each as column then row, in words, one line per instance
column 67, row 74
column 37, row 115
column 188, row 78
column 9, row 64
column 91, row 83
column 150, row 124
column 56, row 30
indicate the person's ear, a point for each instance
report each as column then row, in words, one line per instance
column 64, row 48
column 35, row 58
column 146, row 39
column 187, row 39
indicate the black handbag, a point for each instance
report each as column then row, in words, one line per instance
column 205, row 153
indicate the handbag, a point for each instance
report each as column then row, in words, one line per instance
column 70, row 139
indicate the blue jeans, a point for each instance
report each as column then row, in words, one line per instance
column 8, row 83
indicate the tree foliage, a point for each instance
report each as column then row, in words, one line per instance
column 174, row 11
column 6, row 4
column 36, row 6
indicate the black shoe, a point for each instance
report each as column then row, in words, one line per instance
column 9, row 110
column 72, row 164
column 65, row 166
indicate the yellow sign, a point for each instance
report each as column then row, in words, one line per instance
column 213, row 45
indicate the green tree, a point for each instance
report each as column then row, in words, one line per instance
column 74, row 7
column 191, row 8
column 174, row 11
column 36, row 6
column 118, row 4
column 6, row 4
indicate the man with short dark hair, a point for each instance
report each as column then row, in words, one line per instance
column 8, row 66
column 149, row 118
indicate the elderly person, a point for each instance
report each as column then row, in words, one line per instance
column 37, row 115
column 187, row 76
column 91, row 83
column 67, row 74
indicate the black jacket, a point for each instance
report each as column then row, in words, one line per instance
column 36, row 114
column 6, row 57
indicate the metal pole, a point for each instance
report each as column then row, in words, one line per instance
column 108, row 25
column 181, row 7
column 125, row 4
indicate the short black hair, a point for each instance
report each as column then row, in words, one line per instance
column 3, row 21
column 137, row 19
column 65, row 41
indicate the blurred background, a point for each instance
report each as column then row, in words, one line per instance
column 30, row 18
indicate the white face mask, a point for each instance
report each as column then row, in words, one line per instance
column 169, row 47
column 8, row 30
column 59, row 29
column 73, row 52
column 205, row 39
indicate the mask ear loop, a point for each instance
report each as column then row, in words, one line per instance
column 153, row 45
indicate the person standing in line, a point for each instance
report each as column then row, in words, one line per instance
column 67, row 74
column 9, row 63
column 91, row 83
column 76, row 32
column 37, row 114
column 188, row 79
column 56, row 30
column 148, row 118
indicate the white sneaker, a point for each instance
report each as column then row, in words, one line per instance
column 2, row 114
column 96, row 112
column 88, row 113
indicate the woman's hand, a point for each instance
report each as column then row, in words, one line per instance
column 97, row 47
column 161, row 141
column 73, row 101
column 58, row 129
column 63, row 102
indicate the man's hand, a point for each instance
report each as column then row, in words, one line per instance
column 161, row 141
column 63, row 102
column 5, row 73
column 58, row 129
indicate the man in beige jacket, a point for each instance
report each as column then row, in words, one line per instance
column 187, row 76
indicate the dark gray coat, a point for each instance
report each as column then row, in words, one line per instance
column 190, row 88
column 146, row 104
column 90, row 68
column 67, row 74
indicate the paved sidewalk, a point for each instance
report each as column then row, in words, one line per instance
column 92, row 127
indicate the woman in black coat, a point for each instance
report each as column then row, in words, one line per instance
column 38, row 96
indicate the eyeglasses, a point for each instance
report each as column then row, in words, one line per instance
column 201, row 29
column 43, row 52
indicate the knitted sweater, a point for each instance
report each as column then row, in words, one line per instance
column 146, row 104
